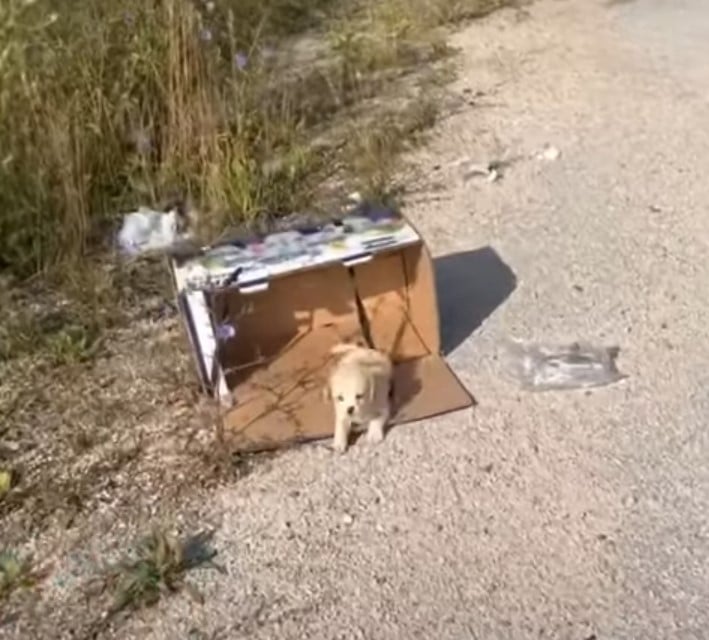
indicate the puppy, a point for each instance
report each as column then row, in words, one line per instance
column 360, row 389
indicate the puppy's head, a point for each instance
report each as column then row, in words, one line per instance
column 351, row 392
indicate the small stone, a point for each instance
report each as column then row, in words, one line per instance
column 549, row 153
column 630, row 500
column 347, row 519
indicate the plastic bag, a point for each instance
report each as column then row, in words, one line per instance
column 147, row 230
column 580, row 365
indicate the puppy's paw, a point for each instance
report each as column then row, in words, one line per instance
column 339, row 445
column 375, row 434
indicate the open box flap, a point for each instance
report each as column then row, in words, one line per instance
column 275, row 415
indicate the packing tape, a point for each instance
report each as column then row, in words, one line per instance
column 360, row 258
column 253, row 286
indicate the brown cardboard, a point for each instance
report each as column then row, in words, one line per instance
column 277, row 368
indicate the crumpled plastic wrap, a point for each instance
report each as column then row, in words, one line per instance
column 146, row 230
column 546, row 366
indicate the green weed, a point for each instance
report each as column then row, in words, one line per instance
column 16, row 574
column 158, row 567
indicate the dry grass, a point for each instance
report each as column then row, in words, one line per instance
column 246, row 109
column 111, row 105
column 129, row 421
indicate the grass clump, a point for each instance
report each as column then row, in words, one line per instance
column 67, row 343
column 158, row 567
column 16, row 574
column 155, row 568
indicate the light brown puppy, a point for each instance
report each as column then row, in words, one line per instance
column 359, row 386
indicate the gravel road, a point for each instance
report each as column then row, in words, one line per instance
column 572, row 515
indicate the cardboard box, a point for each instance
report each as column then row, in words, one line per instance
column 262, row 314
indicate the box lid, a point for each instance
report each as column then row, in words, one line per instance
column 248, row 263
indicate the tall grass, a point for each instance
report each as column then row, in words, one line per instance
column 115, row 103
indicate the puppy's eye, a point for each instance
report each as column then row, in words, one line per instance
column 340, row 398
column 359, row 396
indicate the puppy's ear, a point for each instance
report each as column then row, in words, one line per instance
column 326, row 393
column 371, row 388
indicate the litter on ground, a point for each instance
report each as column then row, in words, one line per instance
column 147, row 230
column 580, row 365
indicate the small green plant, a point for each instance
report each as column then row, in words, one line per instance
column 5, row 482
column 61, row 337
column 16, row 573
column 158, row 567
column 73, row 344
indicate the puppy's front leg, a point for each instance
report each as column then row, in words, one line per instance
column 342, row 434
column 375, row 431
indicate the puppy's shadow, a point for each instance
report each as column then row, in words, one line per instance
column 405, row 388
column 470, row 286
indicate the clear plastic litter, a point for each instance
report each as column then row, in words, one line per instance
column 488, row 171
column 547, row 367
column 146, row 230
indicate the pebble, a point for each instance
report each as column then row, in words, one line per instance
column 549, row 153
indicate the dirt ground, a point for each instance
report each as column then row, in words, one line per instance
column 569, row 515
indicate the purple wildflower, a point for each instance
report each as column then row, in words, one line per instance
column 225, row 332
column 241, row 60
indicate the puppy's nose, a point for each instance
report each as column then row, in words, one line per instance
column 350, row 410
